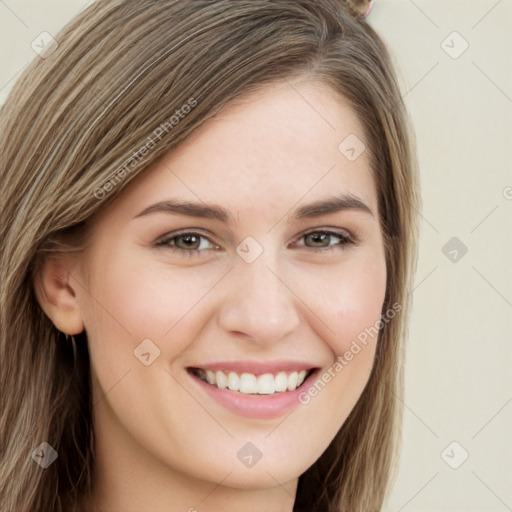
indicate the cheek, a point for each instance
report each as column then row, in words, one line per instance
column 360, row 303
column 349, row 301
column 134, row 300
column 350, row 304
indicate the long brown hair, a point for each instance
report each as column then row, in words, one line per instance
column 70, row 125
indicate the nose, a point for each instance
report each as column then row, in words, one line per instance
column 257, row 303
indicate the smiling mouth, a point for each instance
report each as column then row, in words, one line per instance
column 251, row 384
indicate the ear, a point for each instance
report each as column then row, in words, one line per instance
column 57, row 296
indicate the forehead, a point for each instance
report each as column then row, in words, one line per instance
column 265, row 152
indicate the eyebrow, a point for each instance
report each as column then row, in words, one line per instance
column 342, row 202
column 333, row 204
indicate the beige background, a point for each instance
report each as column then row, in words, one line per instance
column 460, row 351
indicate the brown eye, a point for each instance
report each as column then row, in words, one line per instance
column 188, row 242
column 325, row 239
column 317, row 240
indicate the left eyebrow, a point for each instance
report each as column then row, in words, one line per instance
column 332, row 205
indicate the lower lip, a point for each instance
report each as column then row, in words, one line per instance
column 255, row 406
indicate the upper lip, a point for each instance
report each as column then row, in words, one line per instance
column 257, row 367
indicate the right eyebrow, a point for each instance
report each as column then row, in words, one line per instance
column 191, row 209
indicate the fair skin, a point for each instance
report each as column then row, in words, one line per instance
column 162, row 442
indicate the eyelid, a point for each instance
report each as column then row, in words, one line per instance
column 185, row 231
column 331, row 231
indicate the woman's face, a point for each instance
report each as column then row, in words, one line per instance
column 224, row 257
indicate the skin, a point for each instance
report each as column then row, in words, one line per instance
column 162, row 444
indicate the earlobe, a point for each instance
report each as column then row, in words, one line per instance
column 57, row 297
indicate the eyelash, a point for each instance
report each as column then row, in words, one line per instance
column 345, row 240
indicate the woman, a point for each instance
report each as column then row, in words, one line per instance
column 209, row 235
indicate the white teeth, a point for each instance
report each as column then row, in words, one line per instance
column 250, row 384
column 233, row 381
column 222, row 380
column 266, row 384
column 281, row 381
column 292, row 381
